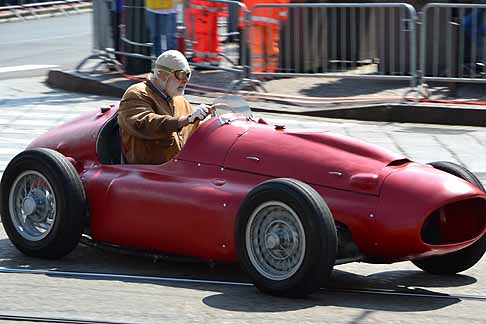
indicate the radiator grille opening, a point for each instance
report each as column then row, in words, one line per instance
column 455, row 223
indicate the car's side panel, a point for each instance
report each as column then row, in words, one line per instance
column 349, row 208
column 181, row 207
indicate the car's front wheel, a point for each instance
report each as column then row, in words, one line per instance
column 464, row 259
column 286, row 238
column 43, row 203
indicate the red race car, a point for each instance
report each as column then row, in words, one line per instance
column 287, row 206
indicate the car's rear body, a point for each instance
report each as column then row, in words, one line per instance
column 393, row 209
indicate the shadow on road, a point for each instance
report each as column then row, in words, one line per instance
column 252, row 301
column 402, row 279
column 245, row 298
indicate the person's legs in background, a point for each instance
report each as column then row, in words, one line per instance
column 272, row 49
column 213, row 41
column 171, row 29
column 154, row 29
column 115, row 19
column 257, row 48
column 201, row 35
column 163, row 25
column 232, row 23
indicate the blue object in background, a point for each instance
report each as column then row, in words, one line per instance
column 163, row 31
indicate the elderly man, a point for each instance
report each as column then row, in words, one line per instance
column 155, row 119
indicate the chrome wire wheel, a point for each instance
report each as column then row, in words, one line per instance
column 32, row 205
column 275, row 240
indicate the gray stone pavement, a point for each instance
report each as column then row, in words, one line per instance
column 28, row 108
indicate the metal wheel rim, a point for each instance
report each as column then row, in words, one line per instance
column 275, row 223
column 32, row 205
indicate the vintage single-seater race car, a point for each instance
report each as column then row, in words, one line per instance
column 286, row 205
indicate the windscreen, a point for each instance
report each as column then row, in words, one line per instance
column 230, row 107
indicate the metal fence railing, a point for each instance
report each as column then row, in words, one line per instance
column 134, row 56
column 22, row 9
column 345, row 40
column 120, row 37
column 329, row 40
column 453, row 43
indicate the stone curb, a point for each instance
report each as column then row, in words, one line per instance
column 75, row 82
column 389, row 112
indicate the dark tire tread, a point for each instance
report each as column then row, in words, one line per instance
column 320, row 233
column 70, row 198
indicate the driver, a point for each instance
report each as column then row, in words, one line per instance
column 155, row 119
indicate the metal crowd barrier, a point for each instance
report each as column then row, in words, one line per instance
column 453, row 43
column 136, row 47
column 345, row 40
column 329, row 40
column 133, row 54
column 35, row 7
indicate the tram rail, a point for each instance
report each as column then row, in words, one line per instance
column 63, row 320
column 154, row 279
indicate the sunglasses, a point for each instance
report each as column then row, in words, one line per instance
column 180, row 75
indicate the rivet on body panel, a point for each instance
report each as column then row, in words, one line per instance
column 224, row 205
column 199, row 164
column 223, row 246
column 371, row 215
column 222, row 169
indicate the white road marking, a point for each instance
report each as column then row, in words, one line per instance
column 17, row 68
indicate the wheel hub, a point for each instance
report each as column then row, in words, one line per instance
column 29, row 205
column 273, row 241
column 38, row 200
column 276, row 239
column 32, row 205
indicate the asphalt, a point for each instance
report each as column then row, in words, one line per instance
column 332, row 98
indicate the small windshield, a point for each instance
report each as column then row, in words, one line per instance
column 230, row 107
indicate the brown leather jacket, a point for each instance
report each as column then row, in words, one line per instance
column 148, row 124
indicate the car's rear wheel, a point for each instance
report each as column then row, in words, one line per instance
column 286, row 238
column 463, row 259
column 43, row 203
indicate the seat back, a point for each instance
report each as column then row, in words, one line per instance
column 108, row 144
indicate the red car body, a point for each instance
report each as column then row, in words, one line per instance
column 188, row 206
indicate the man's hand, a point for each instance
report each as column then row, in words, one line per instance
column 201, row 112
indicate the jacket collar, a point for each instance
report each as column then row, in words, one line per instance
column 158, row 91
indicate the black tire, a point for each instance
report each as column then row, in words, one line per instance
column 70, row 203
column 314, row 218
column 464, row 259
